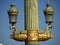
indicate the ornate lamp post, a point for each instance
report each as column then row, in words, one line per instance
column 31, row 34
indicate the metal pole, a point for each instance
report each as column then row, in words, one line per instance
column 31, row 18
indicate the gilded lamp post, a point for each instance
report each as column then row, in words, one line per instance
column 31, row 34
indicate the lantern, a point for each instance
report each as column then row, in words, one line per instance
column 12, row 12
column 48, row 12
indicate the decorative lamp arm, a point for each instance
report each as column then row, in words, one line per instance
column 49, row 27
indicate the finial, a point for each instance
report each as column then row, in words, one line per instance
column 48, row 8
column 13, row 9
column 48, row 3
column 12, row 5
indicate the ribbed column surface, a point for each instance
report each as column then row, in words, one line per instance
column 31, row 18
column 31, row 14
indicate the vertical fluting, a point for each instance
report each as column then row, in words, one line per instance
column 31, row 14
column 31, row 18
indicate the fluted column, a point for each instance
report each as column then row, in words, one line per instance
column 31, row 14
column 31, row 20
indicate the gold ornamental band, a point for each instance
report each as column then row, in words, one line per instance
column 32, row 35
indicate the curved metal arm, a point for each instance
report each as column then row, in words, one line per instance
column 45, row 35
column 14, row 28
column 49, row 27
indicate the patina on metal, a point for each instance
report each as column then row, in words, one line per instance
column 31, row 34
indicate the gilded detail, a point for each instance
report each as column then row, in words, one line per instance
column 12, row 9
column 32, row 35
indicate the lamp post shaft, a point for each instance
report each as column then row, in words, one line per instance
column 31, row 18
column 31, row 14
